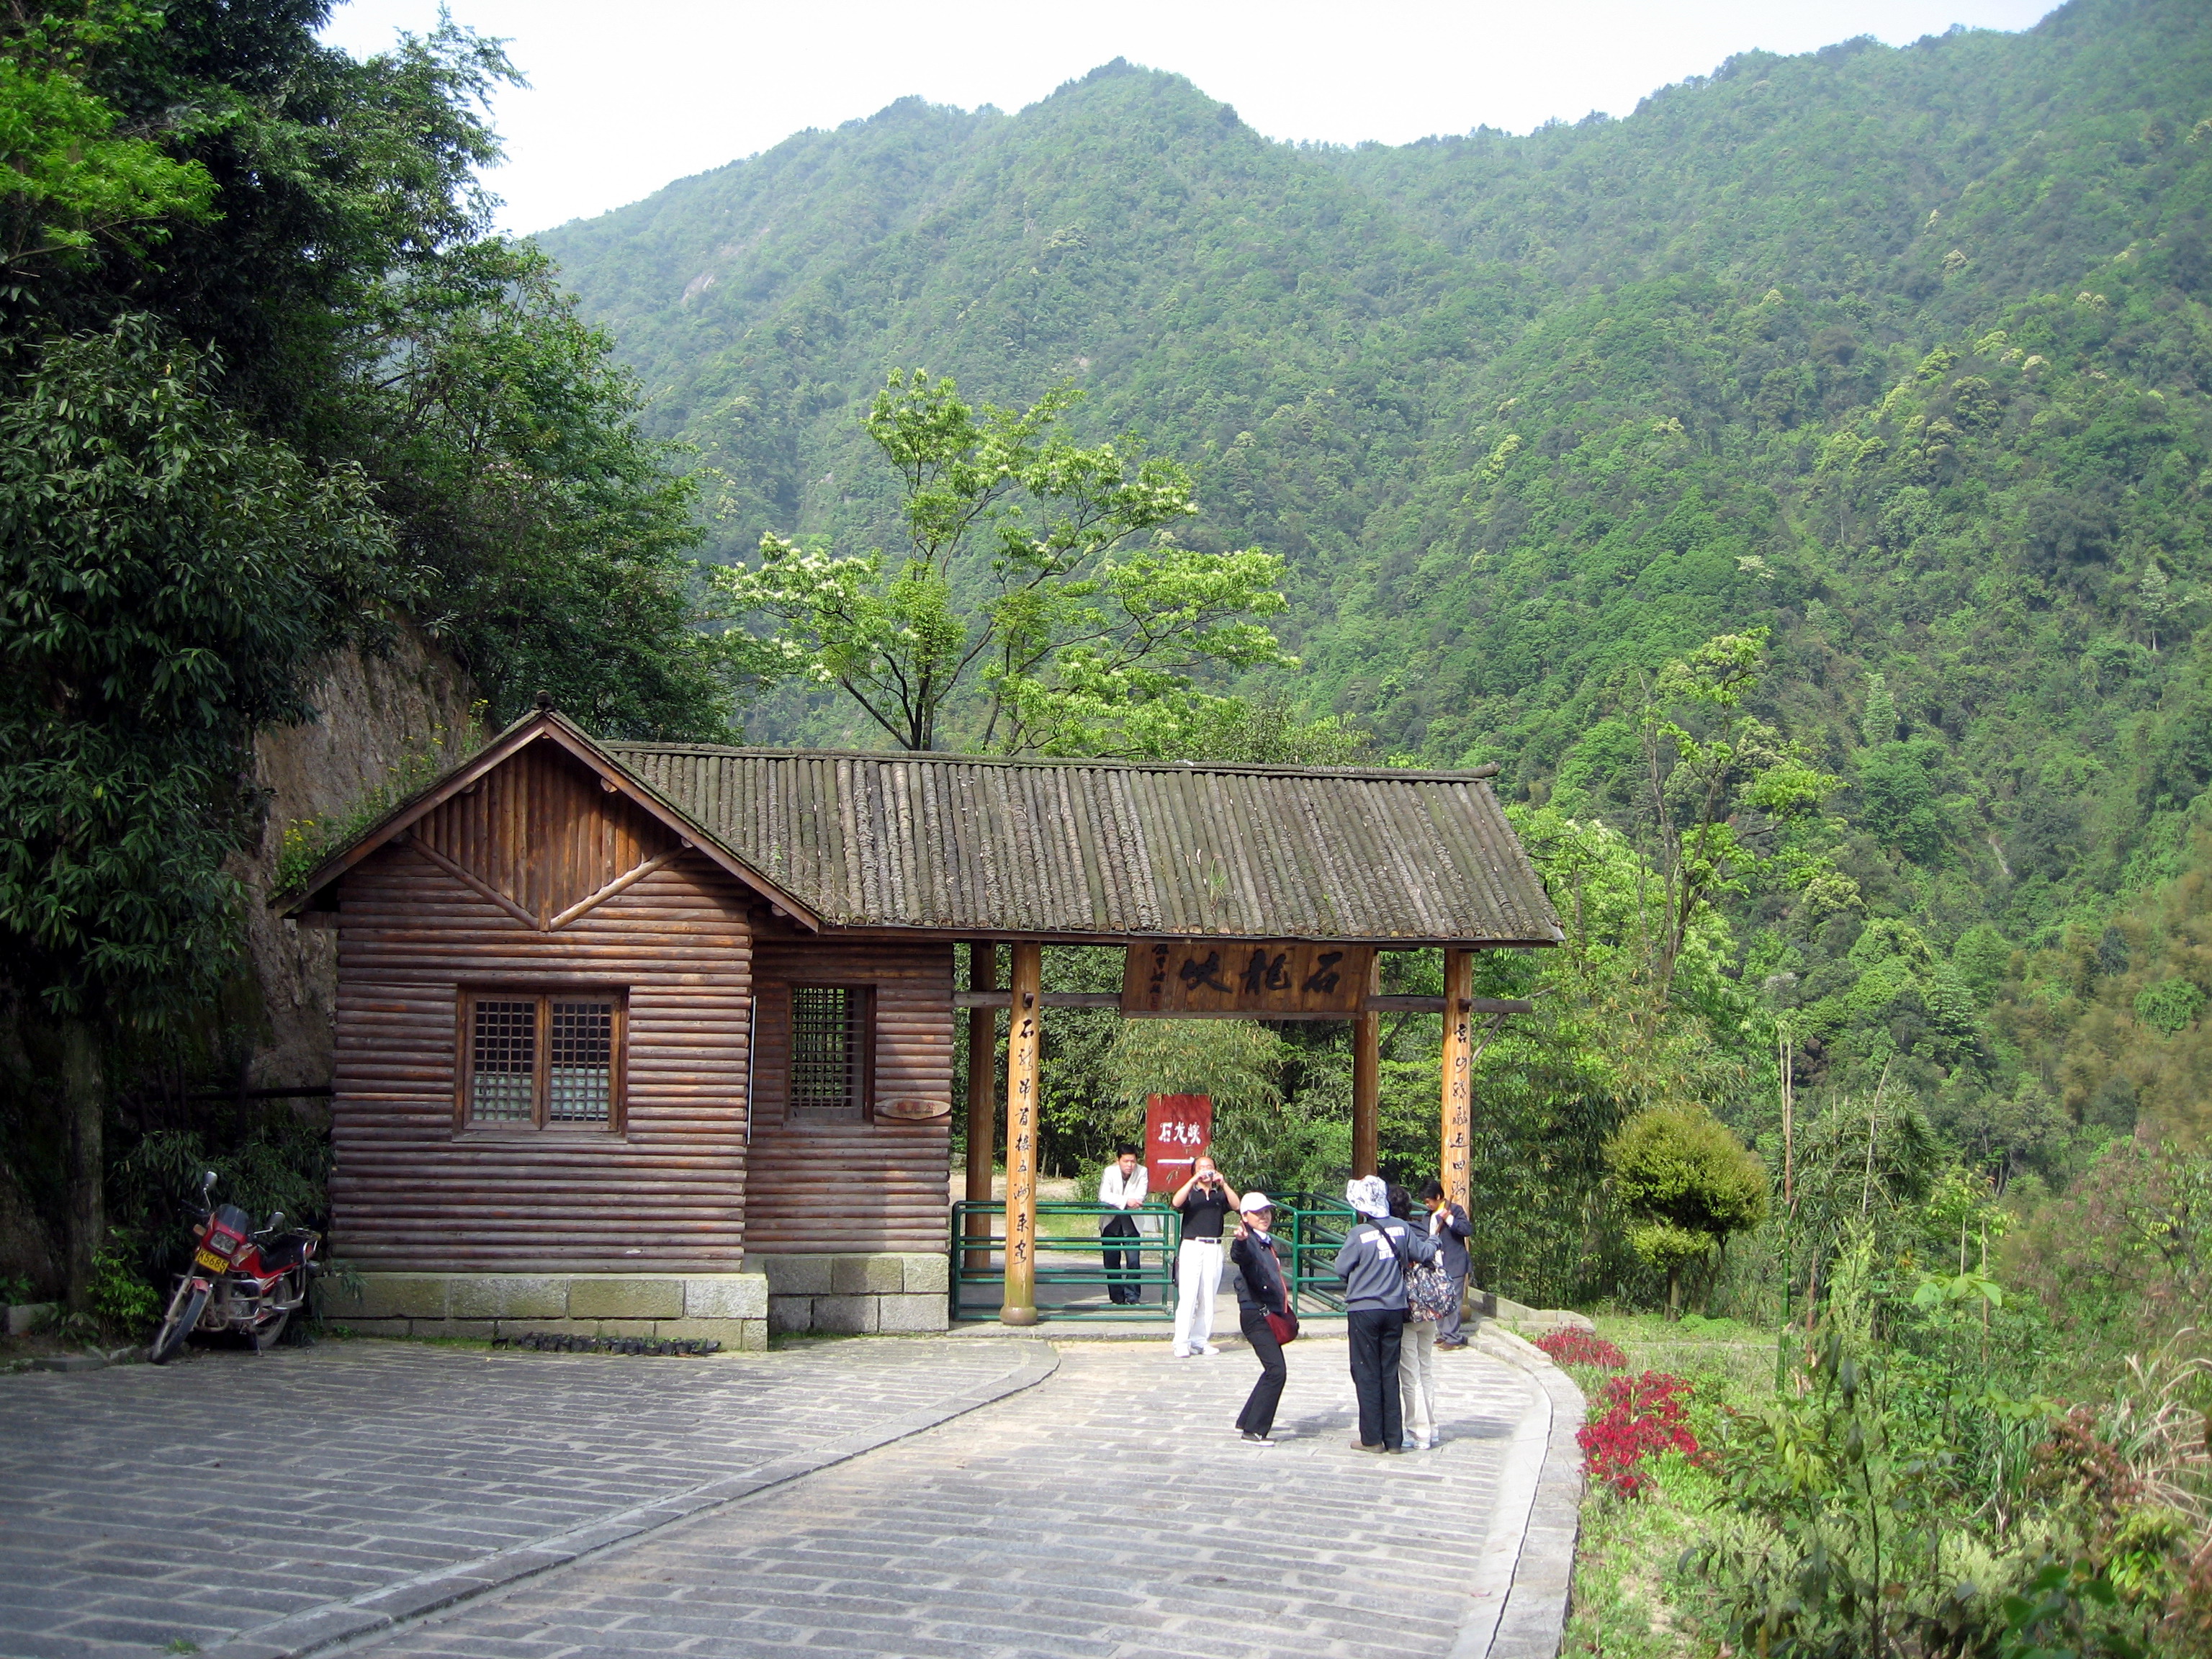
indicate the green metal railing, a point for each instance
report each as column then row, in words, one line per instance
column 1072, row 1279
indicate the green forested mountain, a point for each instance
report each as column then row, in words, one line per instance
column 1899, row 354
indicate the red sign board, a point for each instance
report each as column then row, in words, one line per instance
column 1177, row 1128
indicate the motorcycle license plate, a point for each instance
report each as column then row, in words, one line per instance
column 210, row 1261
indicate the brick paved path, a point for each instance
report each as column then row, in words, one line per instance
column 139, row 1505
column 1109, row 1512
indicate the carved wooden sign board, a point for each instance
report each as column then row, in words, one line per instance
column 1201, row 978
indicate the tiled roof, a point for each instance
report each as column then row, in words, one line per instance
column 966, row 844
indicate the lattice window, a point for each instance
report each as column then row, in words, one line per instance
column 830, row 1041
column 580, row 1063
column 503, row 1061
column 545, row 1058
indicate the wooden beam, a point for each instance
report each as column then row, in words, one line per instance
column 621, row 884
column 982, row 1101
column 985, row 997
column 994, row 999
column 1435, row 1005
column 1024, row 1035
column 1366, row 1094
column 1458, row 1076
column 470, row 880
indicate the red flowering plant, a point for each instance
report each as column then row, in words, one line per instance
column 1577, row 1346
column 1645, row 1417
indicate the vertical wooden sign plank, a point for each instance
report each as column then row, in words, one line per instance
column 982, row 1106
column 1458, row 1076
column 1023, row 1036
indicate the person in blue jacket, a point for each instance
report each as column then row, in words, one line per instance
column 1372, row 1265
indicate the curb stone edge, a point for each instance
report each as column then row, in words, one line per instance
column 1532, row 1622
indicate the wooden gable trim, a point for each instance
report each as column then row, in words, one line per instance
column 467, row 877
column 549, row 726
column 622, row 883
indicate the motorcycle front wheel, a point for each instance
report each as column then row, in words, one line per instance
column 185, row 1310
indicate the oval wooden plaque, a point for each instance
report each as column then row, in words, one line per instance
column 913, row 1111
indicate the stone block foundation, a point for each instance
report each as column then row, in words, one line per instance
column 860, row 1293
column 731, row 1309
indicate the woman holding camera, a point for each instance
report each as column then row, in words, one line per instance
column 1205, row 1201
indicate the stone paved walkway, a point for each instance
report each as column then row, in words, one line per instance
column 139, row 1505
column 1110, row 1512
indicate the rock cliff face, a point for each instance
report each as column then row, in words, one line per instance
column 384, row 720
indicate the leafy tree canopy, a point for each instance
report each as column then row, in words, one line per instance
column 1020, row 582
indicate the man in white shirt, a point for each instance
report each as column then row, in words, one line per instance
column 1124, row 1187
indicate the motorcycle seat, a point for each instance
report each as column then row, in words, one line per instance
column 282, row 1253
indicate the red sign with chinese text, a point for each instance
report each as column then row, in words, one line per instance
column 1177, row 1128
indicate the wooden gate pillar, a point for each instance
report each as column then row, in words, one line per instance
column 1023, row 1034
column 982, row 1100
column 1458, row 1076
column 1366, row 1093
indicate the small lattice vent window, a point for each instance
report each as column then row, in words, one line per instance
column 830, row 1043
column 532, row 1061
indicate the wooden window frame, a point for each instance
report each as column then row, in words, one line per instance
column 863, row 1109
column 540, row 1123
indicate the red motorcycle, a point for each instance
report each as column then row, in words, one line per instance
column 241, row 1280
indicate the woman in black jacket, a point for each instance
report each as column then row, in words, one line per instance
column 1262, row 1288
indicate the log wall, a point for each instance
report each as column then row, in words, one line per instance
column 409, row 1192
column 871, row 1185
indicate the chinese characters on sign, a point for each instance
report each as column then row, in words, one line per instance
column 1177, row 1128
column 1021, row 1146
column 1257, row 979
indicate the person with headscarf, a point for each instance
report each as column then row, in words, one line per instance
column 1372, row 1265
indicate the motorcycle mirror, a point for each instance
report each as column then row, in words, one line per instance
column 207, row 1183
column 276, row 1220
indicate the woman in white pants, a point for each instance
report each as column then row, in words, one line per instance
column 1205, row 1200
column 1417, row 1354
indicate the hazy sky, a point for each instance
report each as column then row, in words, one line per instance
column 624, row 98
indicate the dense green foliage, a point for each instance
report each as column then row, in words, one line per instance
column 267, row 388
column 170, row 578
column 1897, row 355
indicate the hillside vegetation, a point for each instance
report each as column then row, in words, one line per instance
column 1897, row 353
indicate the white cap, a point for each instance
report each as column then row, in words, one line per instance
column 1367, row 1195
column 1256, row 1201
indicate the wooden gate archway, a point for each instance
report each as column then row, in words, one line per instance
column 1026, row 999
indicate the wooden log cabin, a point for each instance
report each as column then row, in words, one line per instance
column 659, row 1038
